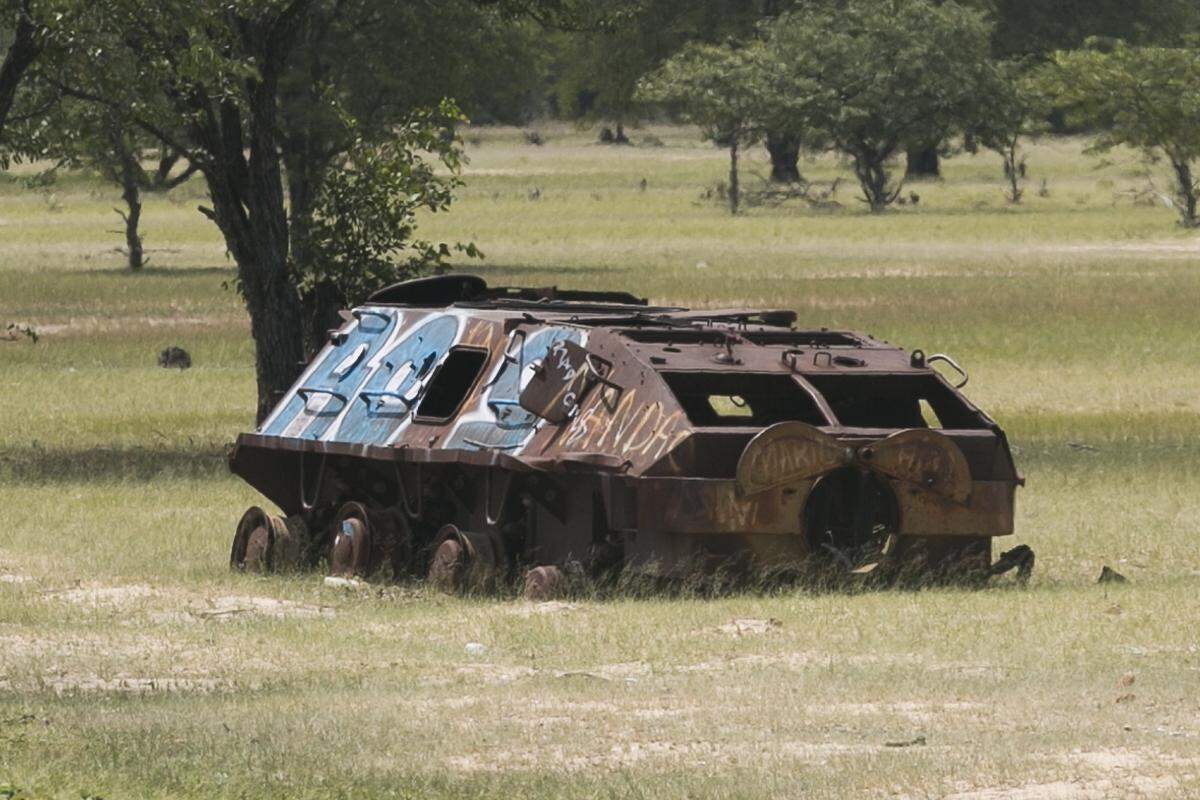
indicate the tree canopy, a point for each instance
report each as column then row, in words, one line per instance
column 1143, row 97
column 873, row 75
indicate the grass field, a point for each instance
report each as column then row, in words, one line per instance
column 132, row 664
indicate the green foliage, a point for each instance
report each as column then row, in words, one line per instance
column 1143, row 97
column 1038, row 27
column 1011, row 108
column 361, row 232
column 596, row 73
column 871, row 75
column 718, row 87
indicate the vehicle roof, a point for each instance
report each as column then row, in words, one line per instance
column 670, row 337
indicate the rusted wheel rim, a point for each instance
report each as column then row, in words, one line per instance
column 543, row 583
column 351, row 548
column 258, row 550
column 448, row 566
column 252, row 542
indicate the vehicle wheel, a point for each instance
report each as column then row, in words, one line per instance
column 544, row 583
column 448, row 567
column 254, row 541
column 350, row 550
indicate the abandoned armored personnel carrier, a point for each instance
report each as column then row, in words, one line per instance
column 472, row 433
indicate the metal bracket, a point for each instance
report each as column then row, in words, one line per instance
column 367, row 396
column 304, row 392
column 304, row 503
column 953, row 365
column 405, row 505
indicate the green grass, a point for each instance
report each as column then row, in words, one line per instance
column 133, row 664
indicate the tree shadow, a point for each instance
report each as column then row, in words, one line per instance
column 40, row 465
column 159, row 272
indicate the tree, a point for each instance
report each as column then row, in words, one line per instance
column 1144, row 97
column 1038, row 28
column 717, row 88
column 1010, row 109
column 244, row 91
column 80, row 135
column 872, row 75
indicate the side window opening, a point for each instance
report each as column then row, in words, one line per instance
column 730, row 405
column 451, row 383
column 895, row 401
column 742, row 399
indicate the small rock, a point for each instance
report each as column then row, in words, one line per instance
column 475, row 649
column 337, row 582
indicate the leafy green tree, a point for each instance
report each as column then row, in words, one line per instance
column 871, row 75
column 719, row 89
column 74, row 134
column 248, row 92
column 1144, row 97
column 362, row 230
column 1039, row 28
column 1010, row 109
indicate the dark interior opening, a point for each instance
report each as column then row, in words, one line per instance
column 848, row 516
column 676, row 335
column 894, row 401
column 714, row 399
column 450, row 384
column 804, row 338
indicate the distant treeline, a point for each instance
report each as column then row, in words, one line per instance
column 320, row 128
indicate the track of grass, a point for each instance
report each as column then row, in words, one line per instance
column 133, row 664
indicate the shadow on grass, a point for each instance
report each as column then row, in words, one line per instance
column 159, row 272
column 34, row 465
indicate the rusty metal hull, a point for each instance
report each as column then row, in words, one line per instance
column 592, row 431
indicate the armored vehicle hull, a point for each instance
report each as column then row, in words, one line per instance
column 473, row 434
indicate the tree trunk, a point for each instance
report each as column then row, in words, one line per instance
column 923, row 162
column 621, row 138
column 871, row 171
column 22, row 52
column 734, row 191
column 1013, row 170
column 1185, row 190
column 132, row 196
column 248, row 205
column 784, row 150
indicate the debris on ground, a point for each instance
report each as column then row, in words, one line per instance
column 747, row 627
column 174, row 357
column 918, row 741
column 1021, row 558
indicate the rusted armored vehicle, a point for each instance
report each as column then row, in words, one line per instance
column 472, row 433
